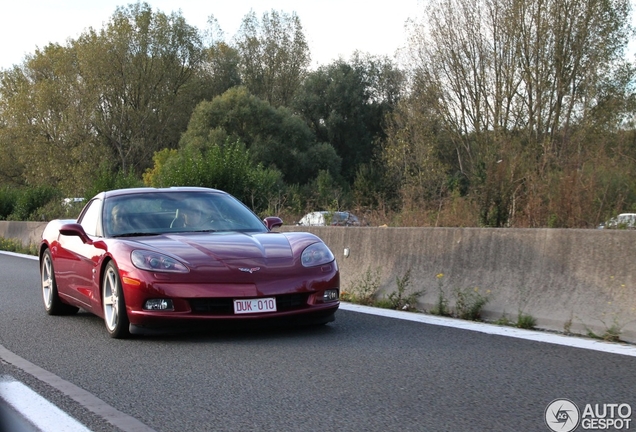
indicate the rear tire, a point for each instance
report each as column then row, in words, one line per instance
column 52, row 303
column 115, row 315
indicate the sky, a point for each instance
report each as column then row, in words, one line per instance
column 333, row 28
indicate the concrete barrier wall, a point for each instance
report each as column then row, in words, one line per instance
column 567, row 279
column 25, row 232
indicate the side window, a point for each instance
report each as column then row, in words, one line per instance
column 90, row 218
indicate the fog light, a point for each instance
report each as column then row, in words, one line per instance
column 330, row 295
column 158, row 304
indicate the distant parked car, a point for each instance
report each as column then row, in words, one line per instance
column 329, row 218
column 68, row 202
column 622, row 221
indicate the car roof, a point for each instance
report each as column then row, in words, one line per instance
column 144, row 190
column 331, row 212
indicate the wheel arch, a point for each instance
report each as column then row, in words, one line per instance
column 43, row 247
column 102, row 268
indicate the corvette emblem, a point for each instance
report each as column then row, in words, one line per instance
column 249, row 270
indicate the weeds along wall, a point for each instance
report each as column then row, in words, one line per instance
column 569, row 280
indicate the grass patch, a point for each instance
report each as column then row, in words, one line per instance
column 364, row 290
column 12, row 245
column 526, row 321
column 402, row 298
column 612, row 332
column 441, row 306
column 469, row 303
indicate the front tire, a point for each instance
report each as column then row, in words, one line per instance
column 114, row 304
column 52, row 303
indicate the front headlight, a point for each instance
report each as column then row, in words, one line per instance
column 316, row 254
column 156, row 262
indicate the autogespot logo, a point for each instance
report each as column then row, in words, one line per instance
column 562, row 415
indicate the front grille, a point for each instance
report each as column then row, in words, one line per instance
column 291, row 301
column 225, row 306
column 216, row 306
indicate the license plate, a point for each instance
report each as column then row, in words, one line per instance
column 261, row 305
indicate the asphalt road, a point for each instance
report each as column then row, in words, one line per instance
column 360, row 373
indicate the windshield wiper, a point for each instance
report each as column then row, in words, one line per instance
column 135, row 234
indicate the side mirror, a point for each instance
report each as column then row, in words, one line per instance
column 273, row 222
column 75, row 229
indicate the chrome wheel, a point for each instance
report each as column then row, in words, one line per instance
column 115, row 316
column 47, row 281
column 52, row 303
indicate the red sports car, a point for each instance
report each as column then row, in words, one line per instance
column 145, row 258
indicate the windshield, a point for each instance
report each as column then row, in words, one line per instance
column 176, row 211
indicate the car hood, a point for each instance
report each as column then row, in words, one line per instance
column 205, row 249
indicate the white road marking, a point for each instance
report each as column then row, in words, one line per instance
column 37, row 410
column 86, row 399
column 532, row 335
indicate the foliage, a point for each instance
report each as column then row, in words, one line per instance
column 506, row 114
column 274, row 56
column 364, row 290
column 325, row 193
column 12, row 245
column 411, row 153
column 29, row 202
column 344, row 104
column 612, row 332
column 47, row 138
column 8, row 199
column 469, row 303
column 35, row 204
column 274, row 136
column 220, row 70
column 226, row 166
column 403, row 298
column 525, row 321
column 105, row 179
column 117, row 94
column 528, row 150
column 441, row 307
column 139, row 67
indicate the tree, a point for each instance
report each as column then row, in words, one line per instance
column 345, row 103
column 220, row 70
column 274, row 56
column 274, row 136
column 113, row 95
column 45, row 137
column 411, row 152
column 519, row 85
column 221, row 165
column 138, row 69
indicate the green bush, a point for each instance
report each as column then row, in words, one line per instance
column 469, row 303
column 8, row 199
column 364, row 290
column 30, row 200
column 108, row 180
column 227, row 167
column 403, row 298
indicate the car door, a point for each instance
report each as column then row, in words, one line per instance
column 76, row 262
column 317, row 219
